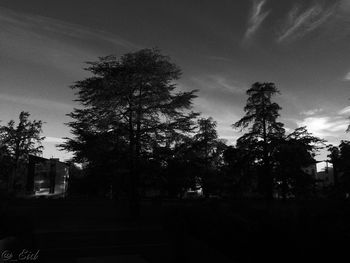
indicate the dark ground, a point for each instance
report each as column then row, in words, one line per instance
column 97, row 230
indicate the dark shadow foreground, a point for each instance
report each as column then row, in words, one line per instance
column 177, row 231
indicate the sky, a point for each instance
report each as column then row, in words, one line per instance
column 221, row 46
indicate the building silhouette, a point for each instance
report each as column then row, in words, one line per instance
column 46, row 177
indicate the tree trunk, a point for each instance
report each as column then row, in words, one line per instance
column 135, row 145
column 268, row 180
column 133, row 197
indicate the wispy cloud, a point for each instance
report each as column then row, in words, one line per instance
column 338, row 26
column 311, row 112
column 344, row 111
column 219, row 83
column 35, row 23
column 347, row 76
column 218, row 58
column 331, row 127
column 344, row 5
column 300, row 23
column 49, row 139
column 256, row 18
column 53, row 43
column 325, row 126
column 35, row 102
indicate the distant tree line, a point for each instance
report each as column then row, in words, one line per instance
column 136, row 135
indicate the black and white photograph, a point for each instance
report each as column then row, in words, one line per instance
column 170, row 131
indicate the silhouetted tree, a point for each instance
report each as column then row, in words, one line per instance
column 20, row 141
column 204, row 143
column 261, row 118
column 345, row 165
column 292, row 155
column 5, row 166
column 339, row 157
column 176, row 164
column 103, row 152
column 335, row 159
column 134, row 98
column 240, row 170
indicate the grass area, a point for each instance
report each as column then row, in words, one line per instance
column 250, row 231
column 242, row 231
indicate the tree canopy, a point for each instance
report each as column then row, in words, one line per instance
column 260, row 118
column 21, row 140
column 132, row 97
